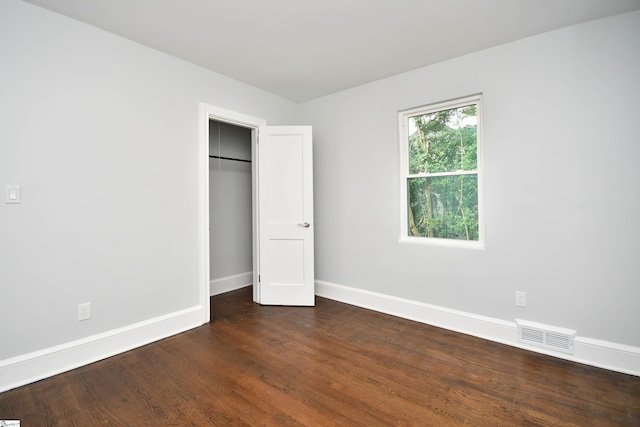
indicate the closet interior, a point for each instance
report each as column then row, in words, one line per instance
column 230, row 208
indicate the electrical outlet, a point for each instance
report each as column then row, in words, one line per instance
column 521, row 299
column 84, row 311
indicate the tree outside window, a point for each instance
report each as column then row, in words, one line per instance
column 441, row 171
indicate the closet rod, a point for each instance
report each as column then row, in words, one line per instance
column 230, row 158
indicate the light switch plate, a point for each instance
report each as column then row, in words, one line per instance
column 12, row 194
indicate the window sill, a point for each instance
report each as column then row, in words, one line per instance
column 433, row 241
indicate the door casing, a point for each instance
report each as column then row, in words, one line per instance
column 211, row 112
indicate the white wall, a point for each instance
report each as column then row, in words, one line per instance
column 102, row 135
column 561, row 150
column 230, row 213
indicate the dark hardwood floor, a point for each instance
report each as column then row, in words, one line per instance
column 330, row 365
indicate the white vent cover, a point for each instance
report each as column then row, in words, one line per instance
column 551, row 337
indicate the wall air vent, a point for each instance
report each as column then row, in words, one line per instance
column 551, row 337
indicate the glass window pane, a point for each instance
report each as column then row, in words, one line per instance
column 444, row 207
column 444, row 141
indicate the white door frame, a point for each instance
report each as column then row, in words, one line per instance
column 211, row 112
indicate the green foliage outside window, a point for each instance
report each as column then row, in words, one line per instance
column 443, row 174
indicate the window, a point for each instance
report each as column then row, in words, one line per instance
column 441, row 173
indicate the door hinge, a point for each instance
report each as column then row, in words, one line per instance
column 258, row 278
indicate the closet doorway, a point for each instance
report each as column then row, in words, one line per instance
column 279, row 220
column 230, row 207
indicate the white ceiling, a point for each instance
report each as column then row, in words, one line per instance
column 304, row 49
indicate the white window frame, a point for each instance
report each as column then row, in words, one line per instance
column 403, row 138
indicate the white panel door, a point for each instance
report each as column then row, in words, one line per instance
column 285, row 211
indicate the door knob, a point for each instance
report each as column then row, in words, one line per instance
column 305, row 225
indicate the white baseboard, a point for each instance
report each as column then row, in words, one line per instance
column 31, row 367
column 231, row 283
column 602, row 354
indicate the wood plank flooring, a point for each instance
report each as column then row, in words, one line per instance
column 329, row 365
